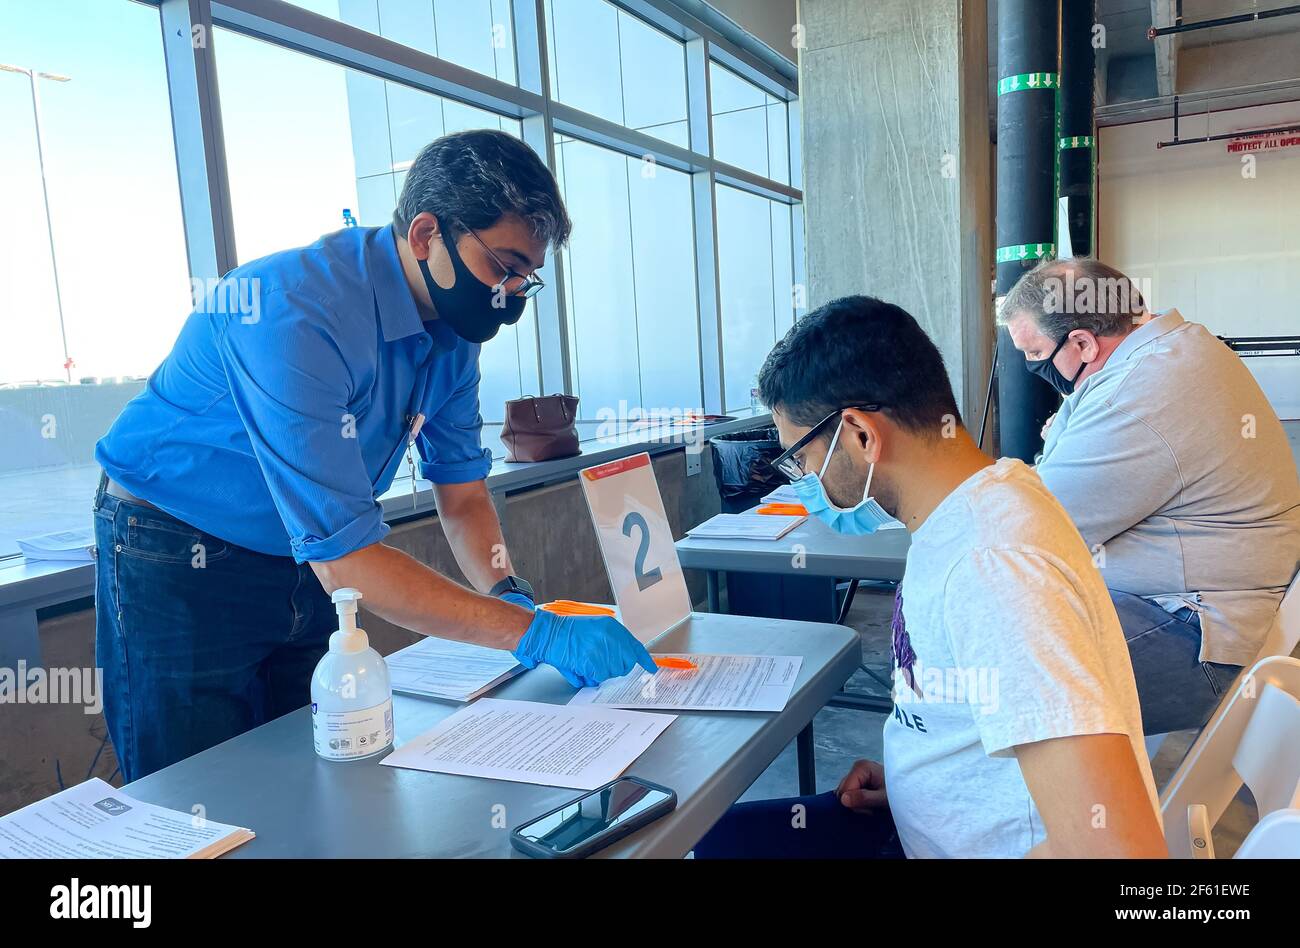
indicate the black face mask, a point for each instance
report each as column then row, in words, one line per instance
column 1048, row 372
column 474, row 311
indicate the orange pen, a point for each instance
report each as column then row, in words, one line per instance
column 665, row 661
column 568, row 607
column 783, row 510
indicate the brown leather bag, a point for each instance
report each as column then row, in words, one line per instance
column 541, row 428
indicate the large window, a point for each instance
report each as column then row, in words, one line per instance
column 476, row 34
column 751, row 128
column 94, row 284
column 605, row 61
column 630, row 280
column 756, row 280
column 677, row 280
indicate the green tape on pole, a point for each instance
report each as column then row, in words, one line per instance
column 1077, row 141
column 1025, row 252
column 1026, row 81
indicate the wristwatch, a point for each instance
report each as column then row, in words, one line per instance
column 513, row 584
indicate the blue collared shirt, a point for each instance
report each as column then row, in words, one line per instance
column 284, row 408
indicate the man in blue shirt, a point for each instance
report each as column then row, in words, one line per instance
column 240, row 486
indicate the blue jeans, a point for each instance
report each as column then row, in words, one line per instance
column 199, row 639
column 766, row 829
column 1175, row 688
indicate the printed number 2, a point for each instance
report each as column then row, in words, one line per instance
column 644, row 578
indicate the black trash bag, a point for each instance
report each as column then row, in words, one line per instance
column 742, row 467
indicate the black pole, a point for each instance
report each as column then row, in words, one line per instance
column 1077, row 144
column 1027, row 147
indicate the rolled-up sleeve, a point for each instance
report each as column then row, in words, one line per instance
column 451, row 442
column 291, row 385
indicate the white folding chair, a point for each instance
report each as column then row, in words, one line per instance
column 1252, row 739
column 1283, row 636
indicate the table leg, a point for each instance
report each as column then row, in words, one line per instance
column 715, row 600
column 807, row 761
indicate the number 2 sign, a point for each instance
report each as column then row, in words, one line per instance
column 637, row 545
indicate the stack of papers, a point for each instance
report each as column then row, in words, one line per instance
column 718, row 683
column 745, row 526
column 66, row 546
column 454, row 671
column 94, row 820
column 785, row 494
column 529, row 742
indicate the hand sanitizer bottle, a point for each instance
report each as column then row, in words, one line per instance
column 351, row 697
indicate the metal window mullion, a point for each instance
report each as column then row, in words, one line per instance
column 188, row 53
column 554, row 368
column 704, row 225
column 708, row 297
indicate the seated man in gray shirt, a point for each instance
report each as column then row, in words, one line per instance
column 1176, row 470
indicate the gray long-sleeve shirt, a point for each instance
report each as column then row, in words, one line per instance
column 1177, row 472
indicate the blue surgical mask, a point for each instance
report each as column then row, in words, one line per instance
column 867, row 516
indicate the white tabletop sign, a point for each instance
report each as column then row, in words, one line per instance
column 637, row 545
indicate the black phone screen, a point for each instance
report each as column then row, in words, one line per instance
column 588, row 817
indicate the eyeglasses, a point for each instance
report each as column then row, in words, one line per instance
column 515, row 284
column 788, row 463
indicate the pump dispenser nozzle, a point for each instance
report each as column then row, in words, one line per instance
column 345, row 604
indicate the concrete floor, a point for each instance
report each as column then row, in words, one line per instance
column 844, row 735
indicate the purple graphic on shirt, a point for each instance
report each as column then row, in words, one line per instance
column 904, row 657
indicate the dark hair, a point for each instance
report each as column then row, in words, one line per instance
column 854, row 351
column 473, row 178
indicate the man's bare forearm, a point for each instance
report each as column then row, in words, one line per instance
column 470, row 523
column 402, row 590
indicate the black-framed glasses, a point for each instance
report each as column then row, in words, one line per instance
column 515, row 284
column 788, row 463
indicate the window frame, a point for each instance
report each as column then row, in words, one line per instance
column 189, row 41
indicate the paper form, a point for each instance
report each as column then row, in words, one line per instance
column 785, row 494
column 746, row 526
column 457, row 671
column 719, row 683
column 530, row 742
column 67, row 546
column 95, row 820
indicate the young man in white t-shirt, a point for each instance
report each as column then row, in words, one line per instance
column 1016, row 729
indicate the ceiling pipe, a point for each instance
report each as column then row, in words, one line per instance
column 1181, row 27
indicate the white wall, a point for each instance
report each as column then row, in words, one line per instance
column 1222, row 248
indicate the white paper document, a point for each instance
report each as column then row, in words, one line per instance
column 66, row 546
column 719, row 683
column 95, row 820
column 530, row 742
column 745, row 526
column 456, row 671
column 785, row 494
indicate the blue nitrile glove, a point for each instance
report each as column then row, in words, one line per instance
column 519, row 599
column 585, row 649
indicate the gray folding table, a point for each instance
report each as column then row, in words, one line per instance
column 810, row 549
column 271, row 781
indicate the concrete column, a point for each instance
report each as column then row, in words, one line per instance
column 897, row 186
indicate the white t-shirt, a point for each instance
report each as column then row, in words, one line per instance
column 1007, row 637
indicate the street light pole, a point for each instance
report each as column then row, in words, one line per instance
column 32, row 75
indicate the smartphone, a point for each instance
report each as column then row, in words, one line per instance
column 593, row 821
